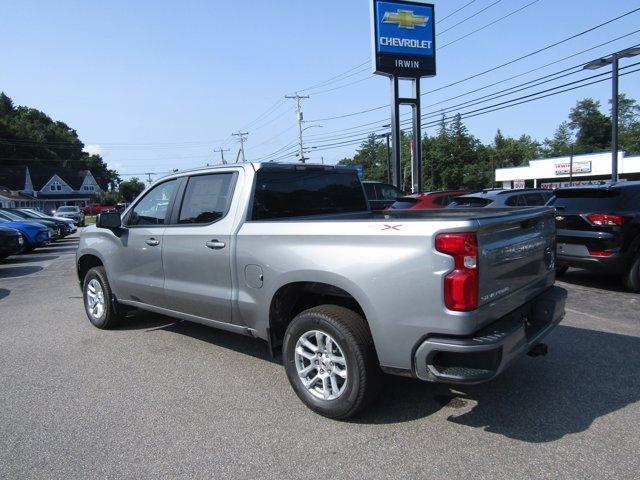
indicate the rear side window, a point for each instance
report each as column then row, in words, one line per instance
column 515, row 201
column 389, row 192
column 284, row 194
column 469, row 202
column 534, row 199
column 206, row 198
column 586, row 200
column 403, row 203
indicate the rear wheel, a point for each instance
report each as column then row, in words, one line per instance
column 632, row 278
column 96, row 292
column 331, row 362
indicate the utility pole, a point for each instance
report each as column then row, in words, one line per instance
column 300, row 117
column 221, row 150
column 571, row 167
column 613, row 60
column 149, row 179
column 241, row 135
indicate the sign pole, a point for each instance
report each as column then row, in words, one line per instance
column 403, row 48
column 396, row 133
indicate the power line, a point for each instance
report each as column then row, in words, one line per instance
column 488, row 25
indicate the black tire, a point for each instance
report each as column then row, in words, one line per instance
column 632, row 278
column 350, row 331
column 110, row 315
column 28, row 249
column 560, row 271
column 3, row 256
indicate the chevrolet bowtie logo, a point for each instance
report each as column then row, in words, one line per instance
column 405, row 19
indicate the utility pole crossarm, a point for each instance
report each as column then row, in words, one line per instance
column 300, row 117
column 222, row 150
column 241, row 135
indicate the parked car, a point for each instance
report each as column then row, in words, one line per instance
column 421, row 201
column 97, row 208
column 11, row 242
column 68, row 225
column 61, row 227
column 55, row 231
column 498, row 198
column 439, row 295
column 34, row 234
column 72, row 213
column 381, row 195
column 599, row 229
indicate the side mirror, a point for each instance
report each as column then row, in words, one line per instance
column 110, row 220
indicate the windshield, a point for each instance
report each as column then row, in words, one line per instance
column 68, row 209
column 36, row 213
column 20, row 214
column 10, row 216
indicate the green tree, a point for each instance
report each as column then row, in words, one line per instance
column 32, row 138
column 130, row 189
column 629, row 124
column 591, row 127
column 560, row 143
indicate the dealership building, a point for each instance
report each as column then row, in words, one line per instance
column 554, row 172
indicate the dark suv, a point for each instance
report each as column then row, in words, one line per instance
column 599, row 229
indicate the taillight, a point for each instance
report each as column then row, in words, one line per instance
column 600, row 253
column 460, row 285
column 604, row 220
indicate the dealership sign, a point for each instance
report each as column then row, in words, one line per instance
column 403, row 38
column 563, row 168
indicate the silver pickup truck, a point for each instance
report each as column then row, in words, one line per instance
column 292, row 254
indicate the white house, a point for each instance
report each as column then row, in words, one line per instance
column 46, row 188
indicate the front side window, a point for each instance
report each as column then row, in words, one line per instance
column 152, row 209
column 206, row 198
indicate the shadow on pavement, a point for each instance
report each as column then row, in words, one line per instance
column 60, row 249
column 28, row 259
column 537, row 400
column 4, row 293
column 584, row 278
column 18, row 271
column 140, row 320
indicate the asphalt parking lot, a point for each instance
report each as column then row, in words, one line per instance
column 159, row 398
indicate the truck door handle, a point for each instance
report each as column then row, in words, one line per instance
column 152, row 242
column 214, row 245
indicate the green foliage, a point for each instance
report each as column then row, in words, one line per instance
column 30, row 137
column 110, row 198
column 592, row 128
column 130, row 189
column 455, row 159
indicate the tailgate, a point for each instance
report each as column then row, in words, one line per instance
column 515, row 251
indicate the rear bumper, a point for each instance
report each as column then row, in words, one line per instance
column 485, row 355
column 616, row 263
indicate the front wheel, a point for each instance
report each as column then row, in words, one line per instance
column 331, row 362
column 98, row 305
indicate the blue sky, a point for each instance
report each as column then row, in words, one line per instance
column 156, row 85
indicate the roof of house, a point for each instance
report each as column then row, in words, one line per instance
column 12, row 177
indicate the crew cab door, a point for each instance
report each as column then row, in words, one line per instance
column 135, row 270
column 197, row 247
